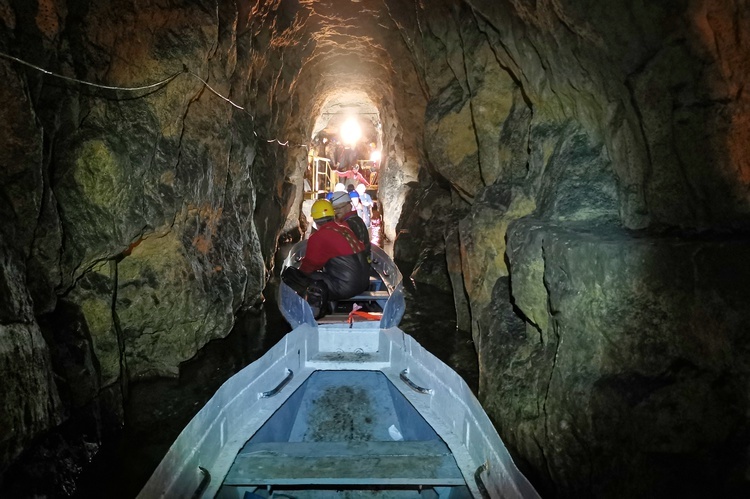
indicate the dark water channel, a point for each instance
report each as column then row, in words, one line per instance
column 430, row 319
column 157, row 410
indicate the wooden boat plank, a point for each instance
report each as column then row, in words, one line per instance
column 328, row 463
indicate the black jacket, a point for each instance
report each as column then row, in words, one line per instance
column 346, row 276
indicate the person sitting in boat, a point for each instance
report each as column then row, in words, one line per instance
column 345, row 212
column 335, row 266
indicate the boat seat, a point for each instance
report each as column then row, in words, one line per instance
column 368, row 296
column 427, row 463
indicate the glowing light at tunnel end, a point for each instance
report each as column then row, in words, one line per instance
column 350, row 131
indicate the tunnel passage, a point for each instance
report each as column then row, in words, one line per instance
column 352, row 63
column 344, row 152
column 574, row 173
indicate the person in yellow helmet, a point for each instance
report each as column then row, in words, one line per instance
column 322, row 209
column 335, row 265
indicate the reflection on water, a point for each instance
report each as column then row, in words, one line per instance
column 376, row 233
column 430, row 318
column 157, row 410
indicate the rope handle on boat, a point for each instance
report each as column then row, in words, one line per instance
column 271, row 393
column 414, row 386
column 204, row 483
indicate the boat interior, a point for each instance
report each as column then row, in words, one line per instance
column 345, row 434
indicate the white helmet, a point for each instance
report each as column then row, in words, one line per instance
column 339, row 187
column 361, row 189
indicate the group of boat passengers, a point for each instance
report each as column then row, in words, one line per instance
column 336, row 264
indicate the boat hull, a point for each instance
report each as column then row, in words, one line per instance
column 210, row 443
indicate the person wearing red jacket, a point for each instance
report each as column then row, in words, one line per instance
column 335, row 265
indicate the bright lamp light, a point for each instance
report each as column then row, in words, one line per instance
column 375, row 156
column 350, row 131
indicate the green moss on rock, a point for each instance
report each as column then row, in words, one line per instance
column 98, row 174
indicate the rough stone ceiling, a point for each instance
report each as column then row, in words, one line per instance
column 339, row 105
column 345, row 71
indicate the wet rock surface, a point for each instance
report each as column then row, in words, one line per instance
column 566, row 156
column 659, row 370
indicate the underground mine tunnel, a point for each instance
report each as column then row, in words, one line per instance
column 573, row 176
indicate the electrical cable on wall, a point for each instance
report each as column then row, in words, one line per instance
column 151, row 86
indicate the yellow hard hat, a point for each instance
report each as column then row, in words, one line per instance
column 322, row 208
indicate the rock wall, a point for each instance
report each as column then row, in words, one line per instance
column 592, row 155
column 628, row 375
column 136, row 223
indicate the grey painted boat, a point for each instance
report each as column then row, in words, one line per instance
column 341, row 408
